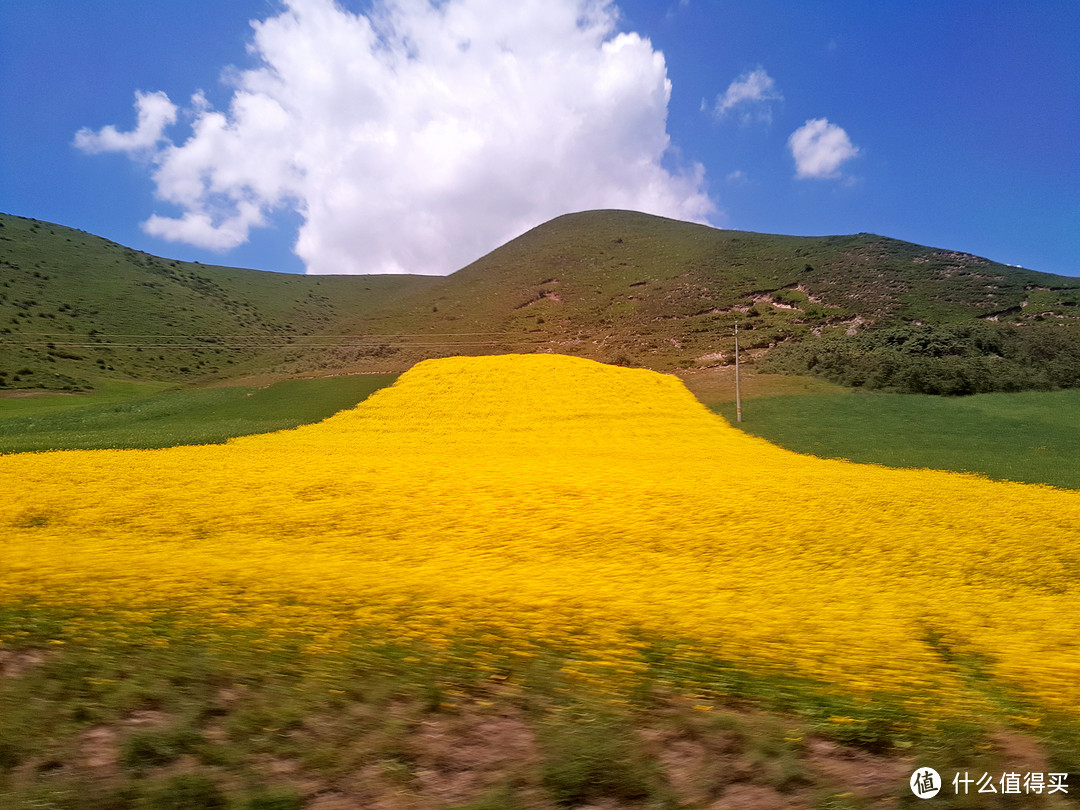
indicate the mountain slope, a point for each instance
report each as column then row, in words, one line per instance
column 616, row 286
column 75, row 307
column 628, row 287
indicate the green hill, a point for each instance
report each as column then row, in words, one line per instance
column 629, row 287
column 76, row 309
column 615, row 286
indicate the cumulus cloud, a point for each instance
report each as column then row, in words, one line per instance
column 154, row 112
column 418, row 136
column 750, row 93
column 819, row 148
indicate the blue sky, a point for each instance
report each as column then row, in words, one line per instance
column 365, row 138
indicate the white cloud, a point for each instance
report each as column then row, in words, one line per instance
column 421, row 135
column 819, row 148
column 198, row 227
column 154, row 113
column 750, row 93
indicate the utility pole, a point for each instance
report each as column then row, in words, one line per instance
column 738, row 392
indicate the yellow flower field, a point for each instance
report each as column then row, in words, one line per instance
column 551, row 501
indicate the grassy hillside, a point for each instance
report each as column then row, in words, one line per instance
column 639, row 289
column 77, row 310
column 617, row 286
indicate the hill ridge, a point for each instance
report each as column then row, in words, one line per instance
column 621, row 287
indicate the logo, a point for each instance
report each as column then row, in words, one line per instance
column 925, row 783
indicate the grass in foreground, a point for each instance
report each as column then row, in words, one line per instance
column 1031, row 436
column 178, row 417
column 172, row 718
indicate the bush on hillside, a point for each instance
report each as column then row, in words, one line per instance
column 951, row 359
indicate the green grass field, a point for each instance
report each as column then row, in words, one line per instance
column 112, row 417
column 106, row 392
column 1030, row 436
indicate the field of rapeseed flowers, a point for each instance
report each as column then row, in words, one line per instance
column 532, row 503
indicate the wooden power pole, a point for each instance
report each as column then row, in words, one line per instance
column 738, row 392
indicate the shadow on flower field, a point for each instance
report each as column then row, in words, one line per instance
column 638, row 604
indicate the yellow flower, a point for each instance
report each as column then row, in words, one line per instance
column 529, row 501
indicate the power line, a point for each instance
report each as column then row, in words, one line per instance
column 110, row 345
column 331, row 335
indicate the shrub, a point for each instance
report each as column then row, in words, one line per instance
column 948, row 359
column 187, row 792
column 593, row 757
column 157, row 748
column 277, row 799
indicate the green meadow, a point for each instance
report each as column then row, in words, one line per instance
column 143, row 416
column 1030, row 436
